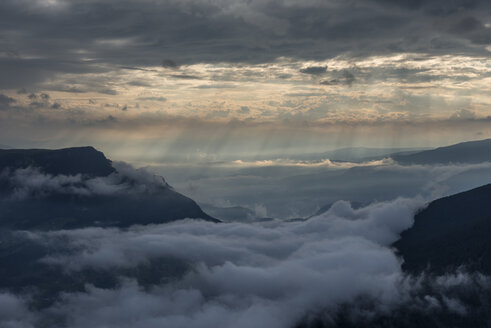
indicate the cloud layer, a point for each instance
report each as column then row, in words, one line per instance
column 267, row 274
column 33, row 182
column 272, row 274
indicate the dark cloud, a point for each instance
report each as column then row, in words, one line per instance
column 111, row 118
column 314, row 70
column 349, row 78
column 42, row 100
column 161, row 99
column 433, row 7
column 108, row 92
column 464, row 114
column 169, row 63
column 139, row 84
column 14, row 312
column 466, row 25
column 305, row 94
column 471, row 28
column 345, row 77
column 5, row 101
column 186, row 77
column 27, row 72
column 133, row 34
column 216, row 86
column 244, row 110
column 219, row 113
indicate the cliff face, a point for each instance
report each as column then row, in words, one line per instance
column 79, row 187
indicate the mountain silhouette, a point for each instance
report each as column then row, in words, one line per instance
column 450, row 232
column 67, row 161
column 465, row 152
column 49, row 190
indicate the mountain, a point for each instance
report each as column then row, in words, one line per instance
column 355, row 154
column 465, row 152
column 5, row 147
column 79, row 187
column 450, row 232
column 349, row 154
column 68, row 161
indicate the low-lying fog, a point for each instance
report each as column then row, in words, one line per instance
column 292, row 189
column 274, row 274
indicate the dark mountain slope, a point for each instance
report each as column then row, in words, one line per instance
column 450, row 232
column 465, row 152
column 23, row 269
column 72, row 211
column 68, row 161
column 79, row 187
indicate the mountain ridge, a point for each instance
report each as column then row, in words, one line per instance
column 68, row 161
column 465, row 152
column 79, row 187
column 450, row 232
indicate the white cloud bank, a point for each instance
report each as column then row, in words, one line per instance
column 33, row 182
column 269, row 274
column 263, row 275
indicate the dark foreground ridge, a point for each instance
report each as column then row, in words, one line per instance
column 451, row 232
column 70, row 205
column 451, row 236
column 51, row 190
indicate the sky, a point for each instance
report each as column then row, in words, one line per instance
column 205, row 79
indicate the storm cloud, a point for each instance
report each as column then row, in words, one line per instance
column 139, row 33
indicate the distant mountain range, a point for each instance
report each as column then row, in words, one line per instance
column 348, row 154
column 465, row 152
column 79, row 187
column 356, row 154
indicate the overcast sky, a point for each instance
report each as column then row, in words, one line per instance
column 204, row 77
